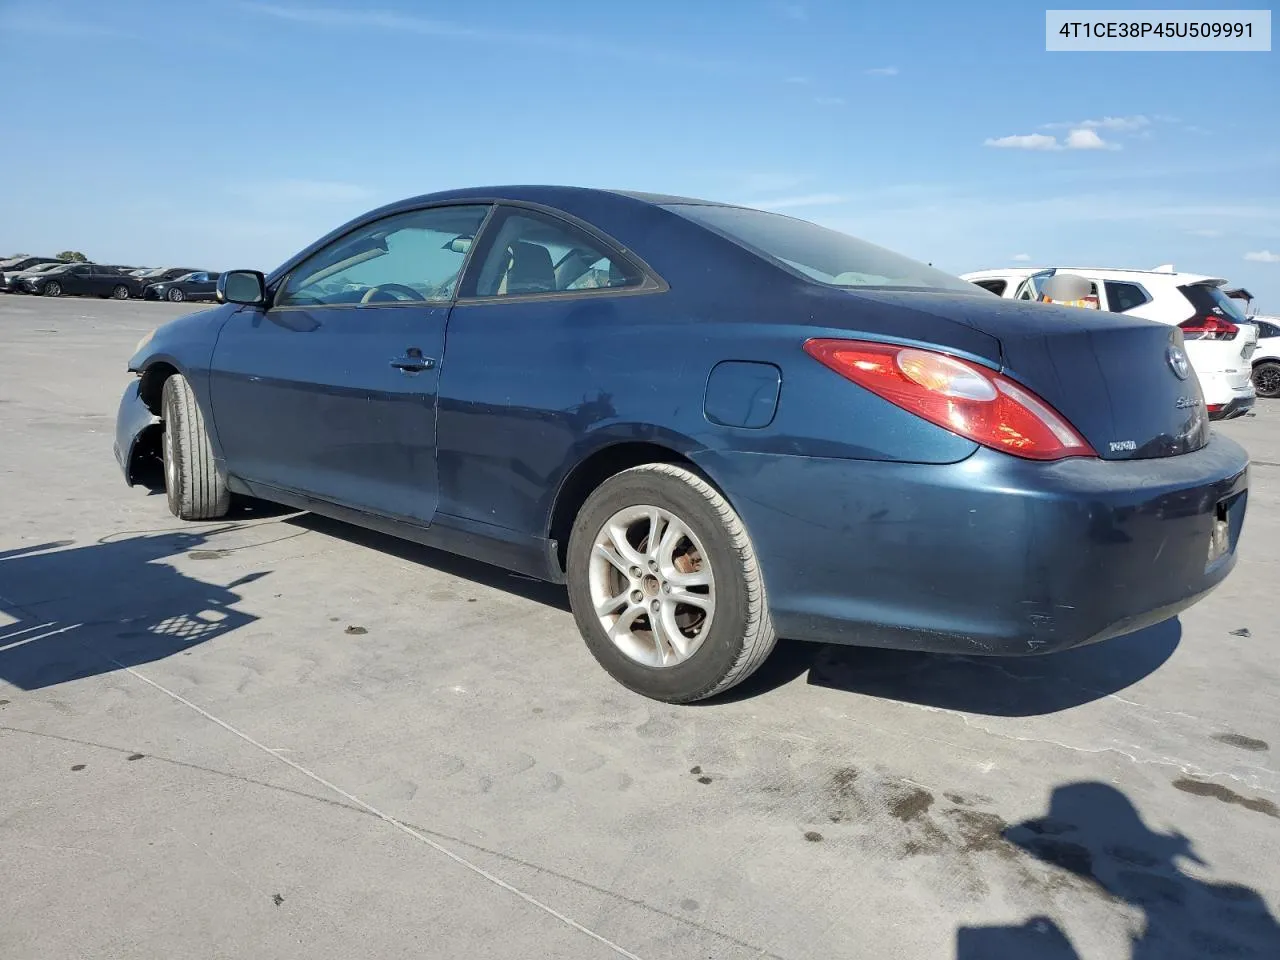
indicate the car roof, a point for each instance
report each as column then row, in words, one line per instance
column 1001, row 273
column 549, row 195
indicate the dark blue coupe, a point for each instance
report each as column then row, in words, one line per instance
column 716, row 425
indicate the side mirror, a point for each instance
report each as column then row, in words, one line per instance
column 1065, row 288
column 459, row 244
column 242, row 286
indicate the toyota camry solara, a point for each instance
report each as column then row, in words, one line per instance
column 716, row 425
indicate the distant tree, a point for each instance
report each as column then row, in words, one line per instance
column 75, row 256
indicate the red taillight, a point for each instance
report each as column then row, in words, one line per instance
column 959, row 396
column 1213, row 407
column 1208, row 328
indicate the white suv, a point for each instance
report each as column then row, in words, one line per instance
column 1266, row 362
column 1219, row 339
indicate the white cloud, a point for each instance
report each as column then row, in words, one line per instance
column 1263, row 256
column 1210, row 232
column 882, row 72
column 1079, row 139
column 805, row 200
column 1117, row 124
column 1021, row 257
column 1088, row 140
column 829, row 101
column 797, row 80
column 1028, row 141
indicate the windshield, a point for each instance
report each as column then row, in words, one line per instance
column 824, row 255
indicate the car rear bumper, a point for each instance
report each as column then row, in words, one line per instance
column 992, row 555
column 1237, row 405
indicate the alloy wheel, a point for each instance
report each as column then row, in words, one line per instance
column 1266, row 379
column 652, row 586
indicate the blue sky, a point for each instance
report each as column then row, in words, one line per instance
column 228, row 134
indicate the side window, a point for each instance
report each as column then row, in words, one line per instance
column 995, row 286
column 1267, row 329
column 533, row 253
column 409, row 257
column 1125, row 296
column 80, row 271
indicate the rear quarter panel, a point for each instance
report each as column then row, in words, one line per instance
column 530, row 389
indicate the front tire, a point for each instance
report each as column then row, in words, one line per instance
column 176, row 296
column 53, row 289
column 1266, row 379
column 121, row 292
column 195, row 489
column 665, row 586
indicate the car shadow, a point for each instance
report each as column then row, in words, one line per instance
column 478, row 572
column 1093, row 834
column 995, row 686
column 70, row 612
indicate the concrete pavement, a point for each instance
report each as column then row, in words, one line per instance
column 278, row 736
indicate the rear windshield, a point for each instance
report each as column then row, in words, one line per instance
column 1209, row 300
column 827, row 256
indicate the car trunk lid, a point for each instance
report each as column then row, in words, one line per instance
column 1123, row 382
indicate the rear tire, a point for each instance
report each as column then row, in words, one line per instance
column 737, row 632
column 121, row 292
column 1266, row 379
column 176, row 296
column 195, row 488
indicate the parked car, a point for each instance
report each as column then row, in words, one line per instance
column 11, row 280
column 18, row 264
column 1266, row 361
column 717, row 425
column 1219, row 339
column 141, row 279
column 199, row 285
column 79, row 280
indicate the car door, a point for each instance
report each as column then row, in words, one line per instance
column 331, row 391
column 102, row 280
column 76, row 281
column 207, row 286
column 523, row 382
column 190, row 285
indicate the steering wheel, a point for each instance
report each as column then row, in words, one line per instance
column 407, row 293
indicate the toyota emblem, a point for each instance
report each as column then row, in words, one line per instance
column 1178, row 362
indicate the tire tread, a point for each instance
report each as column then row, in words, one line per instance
column 202, row 492
column 759, row 637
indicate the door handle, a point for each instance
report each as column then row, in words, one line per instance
column 413, row 362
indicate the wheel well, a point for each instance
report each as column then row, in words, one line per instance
column 592, row 472
column 152, row 387
column 1266, row 360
